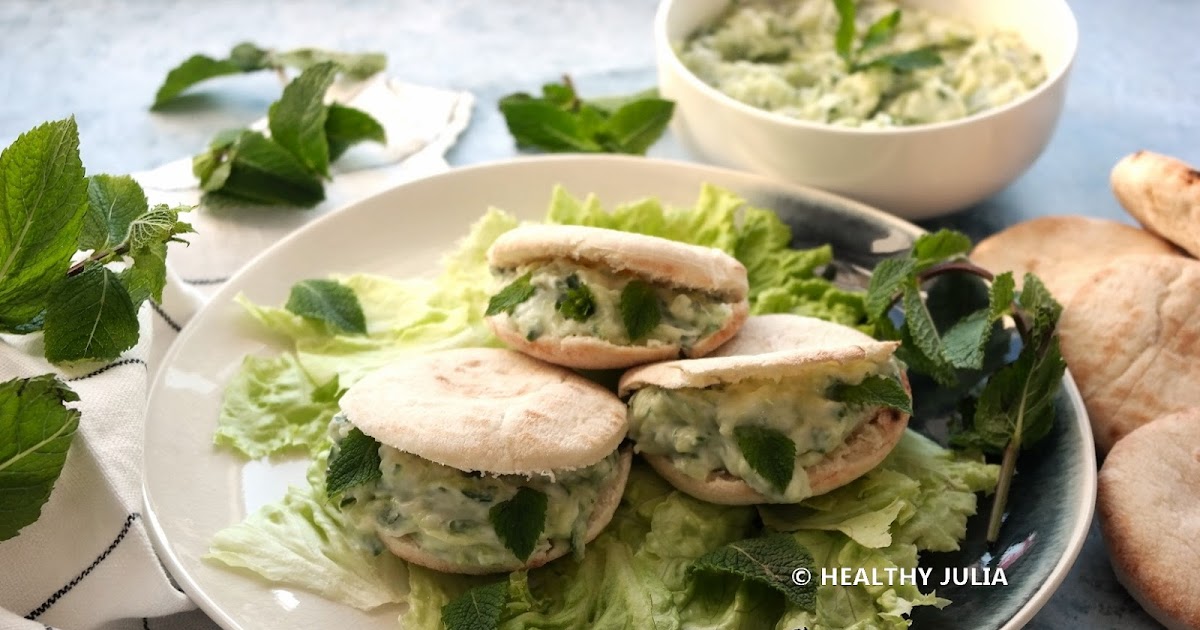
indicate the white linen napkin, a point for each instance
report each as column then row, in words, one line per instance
column 87, row 563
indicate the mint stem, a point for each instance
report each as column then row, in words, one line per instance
column 1007, row 468
column 101, row 256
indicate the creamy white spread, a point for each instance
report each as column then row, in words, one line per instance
column 444, row 510
column 781, row 57
column 694, row 427
column 687, row 316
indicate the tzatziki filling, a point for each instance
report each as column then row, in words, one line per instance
column 575, row 300
column 445, row 511
column 782, row 57
column 697, row 428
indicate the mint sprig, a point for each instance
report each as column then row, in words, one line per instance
column 519, row 521
column 640, row 311
column 874, row 391
column 1015, row 405
column 877, row 34
column 769, row 453
column 477, row 609
column 576, row 300
column 36, row 429
column 355, row 462
column 328, row 301
column 507, row 299
column 560, row 121
column 51, row 212
column 247, row 57
column 769, row 560
column 288, row 167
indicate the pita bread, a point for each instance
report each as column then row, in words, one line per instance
column 1148, row 500
column 1063, row 251
column 774, row 347
column 606, row 506
column 1163, row 193
column 1131, row 339
column 491, row 410
column 590, row 353
column 657, row 259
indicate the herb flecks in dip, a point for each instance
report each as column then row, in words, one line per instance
column 445, row 511
column 698, row 428
column 577, row 300
column 782, row 57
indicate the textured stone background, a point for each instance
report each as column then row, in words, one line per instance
column 1136, row 84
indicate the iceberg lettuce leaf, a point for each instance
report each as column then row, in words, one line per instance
column 272, row 405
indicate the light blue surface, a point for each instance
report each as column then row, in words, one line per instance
column 1136, row 85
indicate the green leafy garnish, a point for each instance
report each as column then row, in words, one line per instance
column 1015, row 407
column 879, row 33
column 355, row 463
column 477, row 609
column 287, row 168
column 519, row 521
column 639, row 309
column 36, row 428
column 509, row 297
column 561, row 121
column 769, row 560
column 247, row 57
column 576, row 302
column 328, row 301
column 874, row 391
column 49, row 212
column 770, row 453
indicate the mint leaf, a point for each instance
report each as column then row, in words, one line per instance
column 328, row 301
column 887, row 280
column 1001, row 296
column 918, row 322
column 639, row 309
column 346, row 126
column 36, row 428
column 354, row 462
column 576, row 302
column 966, row 340
column 519, row 521
column 768, row 560
column 1017, row 404
column 297, row 119
column 113, row 204
column 509, row 297
column 149, row 234
column 879, row 32
column 639, row 124
column 357, row 66
column 844, row 38
column 1035, row 298
column 89, row 316
column 477, row 609
column 770, row 453
column 537, row 124
column 936, row 247
column 874, row 391
column 193, row 70
column 609, row 104
column 264, row 172
column 43, row 198
column 907, row 61
column 250, row 57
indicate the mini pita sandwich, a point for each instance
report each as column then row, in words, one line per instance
column 593, row 298
column 1148, row 501
column 1063, row 252
column 1163, row 193
column 782, row 412
column 466, row 437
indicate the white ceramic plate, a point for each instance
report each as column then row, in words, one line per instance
column 192, row 489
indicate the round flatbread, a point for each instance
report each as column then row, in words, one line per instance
column 606, row 506
column 491, row 410
column 1130, row 339
column 1163, row 193
column 1148, row 500
column 774, row 347
column 658, row 259
column 1063, row 251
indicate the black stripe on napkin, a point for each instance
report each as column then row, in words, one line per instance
column 166, row 318
column 108, row 367
column 53, row 599
column 201, row 281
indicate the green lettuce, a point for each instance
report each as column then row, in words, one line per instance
column 272, row 405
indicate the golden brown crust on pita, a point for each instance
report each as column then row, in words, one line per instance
column 1063, row 251
column 486, row 409
column 606, row 506
column 1148, row 500
column 1130, row 340
column 590, row 353
column 869, row 445
column 658, row 259
column 1163, row 193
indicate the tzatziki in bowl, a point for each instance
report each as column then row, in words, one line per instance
column 921, row 107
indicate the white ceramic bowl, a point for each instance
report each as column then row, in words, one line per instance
column 915, row 172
